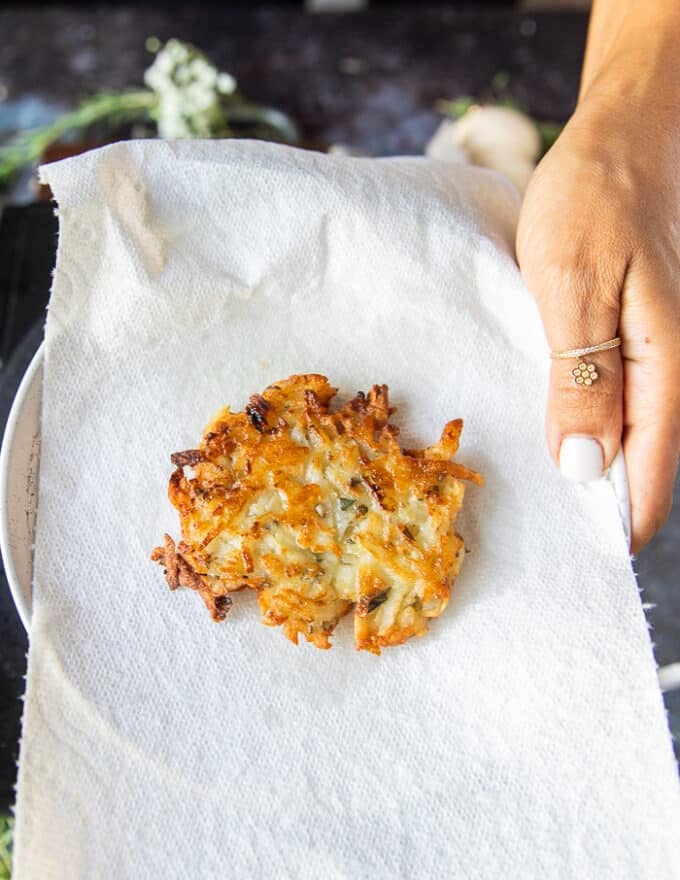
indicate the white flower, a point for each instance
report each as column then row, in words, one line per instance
column 172, row 127
column 189, row 91
column 226, row 84
column 164, row 63
column 203, row 72
column 153, row 78
column 171, row 101
column 197, row 96
column 177, row 51
column 182, row 74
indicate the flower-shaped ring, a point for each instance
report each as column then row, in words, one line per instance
column 585, row 374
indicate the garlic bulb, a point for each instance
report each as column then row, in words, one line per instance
column 492, row 137
column 443, row 145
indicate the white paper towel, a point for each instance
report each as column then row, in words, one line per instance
column 523, row 737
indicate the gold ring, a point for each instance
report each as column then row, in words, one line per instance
column 590, row 349
column 585, row 373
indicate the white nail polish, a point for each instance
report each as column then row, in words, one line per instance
column 581, row 458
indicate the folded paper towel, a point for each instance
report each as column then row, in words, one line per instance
column 523, row 737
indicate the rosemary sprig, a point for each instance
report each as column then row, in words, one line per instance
column 549, row 132
column 114, row 109
column 6, row 834
column 186, row 96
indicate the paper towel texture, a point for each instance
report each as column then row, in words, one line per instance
column 523, row 737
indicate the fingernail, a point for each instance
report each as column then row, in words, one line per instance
column 581, row 458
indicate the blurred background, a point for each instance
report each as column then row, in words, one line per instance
column 369, row 78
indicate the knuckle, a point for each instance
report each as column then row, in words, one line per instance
column 573, row 276
column 576, row 285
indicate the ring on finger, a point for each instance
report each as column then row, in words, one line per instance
column 585, row 373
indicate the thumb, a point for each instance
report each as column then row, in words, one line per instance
column 580, row 308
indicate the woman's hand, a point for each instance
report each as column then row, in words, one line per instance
column 599, row 246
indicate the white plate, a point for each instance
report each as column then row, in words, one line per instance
column 19, row 463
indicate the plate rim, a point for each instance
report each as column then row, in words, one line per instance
column 21, row 601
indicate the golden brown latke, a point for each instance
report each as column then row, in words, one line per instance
column 320, row 512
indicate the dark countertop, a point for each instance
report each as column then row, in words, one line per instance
column 369, row 80
column 401, row 61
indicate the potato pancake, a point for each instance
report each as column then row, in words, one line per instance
column 321, row 513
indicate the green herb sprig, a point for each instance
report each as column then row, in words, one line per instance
column 6, row 838
column 186, row 96
column 114, row 109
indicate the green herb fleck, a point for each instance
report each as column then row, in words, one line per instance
column 346, row 502
column 6, row 834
